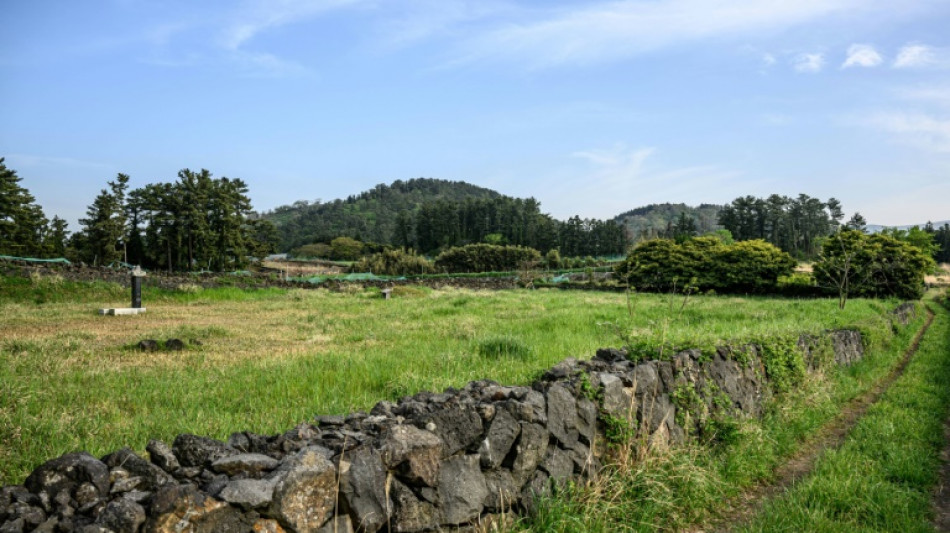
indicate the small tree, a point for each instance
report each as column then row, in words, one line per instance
column 845, row 261
column 874, row 266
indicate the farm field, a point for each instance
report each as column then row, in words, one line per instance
column 269, row 359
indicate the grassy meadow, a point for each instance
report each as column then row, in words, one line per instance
column 271, row 358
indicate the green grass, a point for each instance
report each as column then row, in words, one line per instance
column 881, row 478
column 271, row 358
column 657, row 491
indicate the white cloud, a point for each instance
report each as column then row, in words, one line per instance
column 915, row 55
column 925, row 131
column 768, row 60
column 606, row 31
column 809, row 63
column 862, row 55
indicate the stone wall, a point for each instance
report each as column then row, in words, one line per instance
column 428, row 462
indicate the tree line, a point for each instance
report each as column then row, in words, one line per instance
column 196, row 222
column 796, row 225
column 443, row 224
column 24, row 229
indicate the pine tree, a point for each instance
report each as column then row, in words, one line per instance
column 22, row 223
column 105, row 230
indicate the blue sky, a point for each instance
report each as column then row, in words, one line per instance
column 591, row 107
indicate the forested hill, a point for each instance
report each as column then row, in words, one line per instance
column 659, row 220
column 369, row 216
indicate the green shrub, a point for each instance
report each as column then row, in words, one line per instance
column 312, row 251
column 394, row 263
column 854, row 264
column 345, row 249
column 485, row 258
column 706, row 264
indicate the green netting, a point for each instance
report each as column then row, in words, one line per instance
column 61, row 260
column 561, row 279
column 120, row 264
column 356, row 276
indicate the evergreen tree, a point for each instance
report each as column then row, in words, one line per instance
column 23, row 225
column 104, row 228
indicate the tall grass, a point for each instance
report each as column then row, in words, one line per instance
column 661, row 490
column 881, row 478
column 269, row 359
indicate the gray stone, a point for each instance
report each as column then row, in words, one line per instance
column 122, row 516
column 161, row 456
column 457, row 426
column 413, row 453
column 847, row 346
column 462, row 489
column 179, row 508
column 410, row 513
column 250, row 464
column 13, row 526
column 51, row 525
column 537, row 487
column 501, row 435
column 363, row 488
column 502, row 491
column 529, row 451
column 67, row 472
column 562, row 414
column 558, row 464
column 249, row 493
column 586, row 422
column 125, row 484
column 305, row 492
column 194, row 451
column 151, row 476
column 645, row 380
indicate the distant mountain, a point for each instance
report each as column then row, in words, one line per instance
column 655, row 219
column 369, row 216
column 874, row 228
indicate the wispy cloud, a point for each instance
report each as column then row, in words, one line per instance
column 257, row 16
column 606, row 31
column 925, row 131
column 809, row 63
column 862, row 55
column 420, row 20
column 916, row 55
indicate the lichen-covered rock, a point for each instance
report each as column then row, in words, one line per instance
column 249, row 464
column 195, row 451
column 67, row 473
column 161, row 456
column 411, row 513
column 413, row 453
column 305, row 491
column 180, row 508
column 122, row 516
column 847, row 346
column 462, row 489
column 150, row 476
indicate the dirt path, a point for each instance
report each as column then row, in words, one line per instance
column 831, row 435
column 941, row 501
